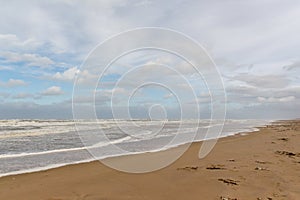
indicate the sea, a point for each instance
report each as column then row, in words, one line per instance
column 36, row 145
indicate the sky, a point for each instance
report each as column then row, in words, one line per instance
column 254, row 44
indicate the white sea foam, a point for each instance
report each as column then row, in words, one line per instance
column 37, row 169
column 97, row 145
column 50, row 127
column 40, row 153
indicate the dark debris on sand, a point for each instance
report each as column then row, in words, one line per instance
column 261, row 169
column 188, row 168
column 228, row 181
column 216, row 167
column 284, row 139
column 227, row 198
column 287, row 153
column 262, row 162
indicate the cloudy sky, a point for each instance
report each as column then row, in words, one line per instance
column 255, row 45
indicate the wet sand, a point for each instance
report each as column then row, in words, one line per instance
column 261, row 165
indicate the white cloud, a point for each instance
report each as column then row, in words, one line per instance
column 23, row 95
column 263, row 81
column 5, row 68
column 237, row 35
column 86, row 77
column 143, row 3
column 294, row 65
column 52, row 23
column 276, row 100
column 168, row 96
column 52, row 91
column 12, row 42
column 67, row 75
column 13, row 83
column 31, row 59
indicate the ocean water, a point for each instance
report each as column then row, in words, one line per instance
column 34, row 145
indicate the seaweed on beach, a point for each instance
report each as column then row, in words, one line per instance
column 188, row 168
column 287, row 153
column 228, row 181
column 227, row 198
column 216, row 167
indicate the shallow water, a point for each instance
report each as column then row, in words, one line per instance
column 33, row 145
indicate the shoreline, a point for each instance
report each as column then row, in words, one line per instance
column 240, row 166
column 55, row 166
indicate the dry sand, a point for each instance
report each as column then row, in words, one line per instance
column 261, row 165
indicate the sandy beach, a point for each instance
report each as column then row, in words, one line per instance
column 260, row 165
